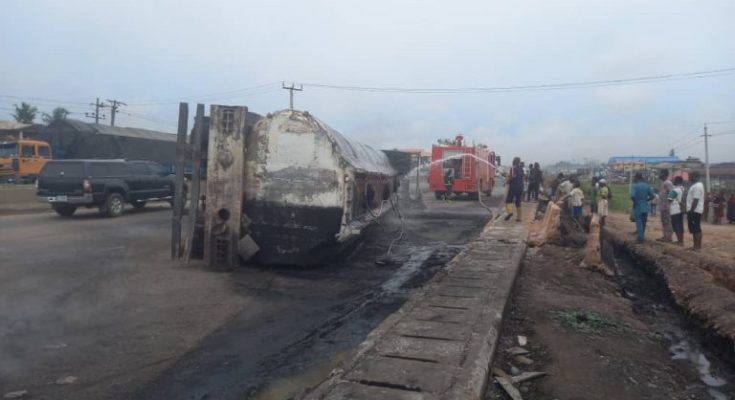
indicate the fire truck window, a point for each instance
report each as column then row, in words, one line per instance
column 44, row 151
column 28, row 151
column 453, row 162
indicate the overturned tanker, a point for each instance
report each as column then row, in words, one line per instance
column 308, row 190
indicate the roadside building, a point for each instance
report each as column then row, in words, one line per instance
column 637, row 163
column 71, row 138
column 12, row 130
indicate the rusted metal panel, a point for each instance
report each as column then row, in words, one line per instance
column 225, row 184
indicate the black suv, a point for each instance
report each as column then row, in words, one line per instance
column 107, row 184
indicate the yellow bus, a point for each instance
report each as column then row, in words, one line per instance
column 22, row 160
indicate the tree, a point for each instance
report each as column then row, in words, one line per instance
column 58, row 114
column 25, row 113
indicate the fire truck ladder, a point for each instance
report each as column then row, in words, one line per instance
column 466, row 165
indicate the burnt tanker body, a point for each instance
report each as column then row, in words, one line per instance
column 309, row 189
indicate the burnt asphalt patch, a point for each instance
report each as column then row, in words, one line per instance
column 308, row 319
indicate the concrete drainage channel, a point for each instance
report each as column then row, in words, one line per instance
column 440, row 343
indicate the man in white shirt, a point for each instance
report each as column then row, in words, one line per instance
column 675, row 197
column 695, row 208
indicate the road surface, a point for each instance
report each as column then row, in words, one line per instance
column 98, row 299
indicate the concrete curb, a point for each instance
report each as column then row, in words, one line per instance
column 441, row 343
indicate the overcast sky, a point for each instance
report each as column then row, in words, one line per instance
column 66, row 53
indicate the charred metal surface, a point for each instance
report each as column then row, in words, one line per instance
column 307, row 187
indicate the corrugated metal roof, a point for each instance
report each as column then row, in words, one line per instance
column 119, row 131
column 12, row 125
column 646, row 159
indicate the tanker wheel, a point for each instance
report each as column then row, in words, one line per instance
column 438, row 195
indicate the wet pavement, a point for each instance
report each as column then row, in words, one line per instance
column 99, row 299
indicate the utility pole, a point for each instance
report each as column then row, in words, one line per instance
column 290, row 92
column 97, row 105
column 114, row 104
column 706, row 158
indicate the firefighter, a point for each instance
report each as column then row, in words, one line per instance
column 448, row 183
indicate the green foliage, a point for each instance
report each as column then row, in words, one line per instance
column 620, row 199
column 58, row 114
column 586, row 321
column 24, row 113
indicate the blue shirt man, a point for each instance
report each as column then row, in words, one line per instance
column 641, row 193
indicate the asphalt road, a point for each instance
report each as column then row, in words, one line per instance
column 99, row 300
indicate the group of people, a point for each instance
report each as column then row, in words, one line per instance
column 672, row 207
column 521, row 184
column 570, row 190
column 720, row 205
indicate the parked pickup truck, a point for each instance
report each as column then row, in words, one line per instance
column 106, row 184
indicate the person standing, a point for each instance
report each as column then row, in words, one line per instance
column 641, row 193
column 664, row 205
column 731, row 209
column 555, row 184
column 719, row 207
column 695, row 209
column 538, row 178
column 529, row 193
column 577, row 196
column 448, row 183
column 602, row 204
column 594, row 189
column 515, row 190
column 675, row 197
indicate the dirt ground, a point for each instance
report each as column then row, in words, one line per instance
column 718, row 240
column 601, row 337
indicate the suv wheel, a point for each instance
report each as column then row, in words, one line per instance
column 138, row 204
column 114, row 205
column 65, row 211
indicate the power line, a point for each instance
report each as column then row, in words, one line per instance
column 542, row 87
column 204, row 96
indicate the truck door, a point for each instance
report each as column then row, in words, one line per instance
column 28, row 160
column 140, row 180
column 160, row 186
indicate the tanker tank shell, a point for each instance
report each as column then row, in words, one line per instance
column 309, row 189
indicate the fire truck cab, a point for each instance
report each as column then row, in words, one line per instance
column 457, row 169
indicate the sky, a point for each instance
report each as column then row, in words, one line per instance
column 153, row 54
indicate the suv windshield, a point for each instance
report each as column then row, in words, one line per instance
column 8, row 149
column 69, row 169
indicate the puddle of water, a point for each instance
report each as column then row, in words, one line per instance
column 685, row 349
column 287, row 388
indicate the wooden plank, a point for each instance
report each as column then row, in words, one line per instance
column 179, row 180
column 225, row 186
column 196, row 140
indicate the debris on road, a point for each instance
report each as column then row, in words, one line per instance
column 526, row 376
column 509, row 388
column 517, row 351
column 18, row 394
column 67, row 380
column 522, row 340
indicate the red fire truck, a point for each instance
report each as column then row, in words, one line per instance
column 457, row 168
